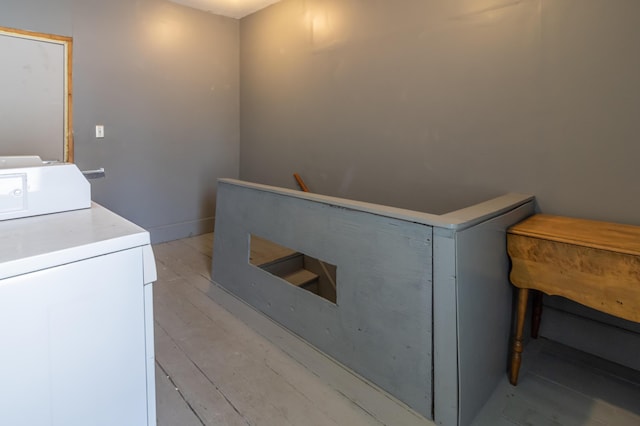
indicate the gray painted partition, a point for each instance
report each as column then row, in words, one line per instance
column 400, row 316
column 484, row 308
column 472, row 313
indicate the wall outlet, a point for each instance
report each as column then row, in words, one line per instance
column 99, row 131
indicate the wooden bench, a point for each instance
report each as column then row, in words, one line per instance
column 593, row 263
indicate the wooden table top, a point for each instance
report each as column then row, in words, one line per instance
column 589, row 233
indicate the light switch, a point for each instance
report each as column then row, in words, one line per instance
column 99, row 131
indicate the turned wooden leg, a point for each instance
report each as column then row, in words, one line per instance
column 537, row 313
column 516, row 350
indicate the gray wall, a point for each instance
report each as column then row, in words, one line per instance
column 430, row 105
column 435, row 105
column 164, row 81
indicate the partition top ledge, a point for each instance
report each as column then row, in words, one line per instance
column 456, row 220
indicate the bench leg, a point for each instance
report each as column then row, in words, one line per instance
column 516, row 350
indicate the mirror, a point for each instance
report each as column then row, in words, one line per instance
column 35, row 80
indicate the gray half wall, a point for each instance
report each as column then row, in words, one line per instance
column 484, row 308
column 381, row 326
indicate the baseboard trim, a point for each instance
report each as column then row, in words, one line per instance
column 597, row 338
column 176, row 231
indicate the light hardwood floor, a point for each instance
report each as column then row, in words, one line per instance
column 213, row 369
column 561, row 386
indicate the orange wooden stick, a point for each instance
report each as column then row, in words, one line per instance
column 301, row 182
column 322, row 264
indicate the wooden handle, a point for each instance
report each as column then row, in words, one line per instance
column 304, row 188
column 301, row 182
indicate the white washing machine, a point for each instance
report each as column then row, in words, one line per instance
column 76, row 318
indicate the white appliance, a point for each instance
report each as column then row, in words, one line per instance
column 76, row 312
column 30, row 187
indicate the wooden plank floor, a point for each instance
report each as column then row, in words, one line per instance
column 213, row 369
column 561, row 386
column 265, row 251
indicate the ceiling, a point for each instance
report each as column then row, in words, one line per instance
column 232, row 8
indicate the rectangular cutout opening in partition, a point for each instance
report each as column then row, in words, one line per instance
column 296, row 268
